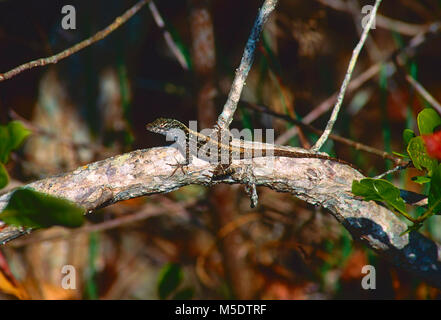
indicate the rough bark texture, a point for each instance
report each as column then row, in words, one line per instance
column 319, row 182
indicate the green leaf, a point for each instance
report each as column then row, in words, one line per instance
column 435, row 191
column 402, row 155
column 170, row 278
column 4, row 178
column 33, row 209
column 421, row 179
column 418, row 153
column 4, row 144
column 17, row 133
column 11, row 137
column 184, row 294
column 379, row 190
column 428, row 119
column 407, row 135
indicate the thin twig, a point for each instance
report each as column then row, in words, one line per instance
column 230, row 106
column 356, row 145
column 424, row 93
column 404, row 28
column 393, row 170
column 357, row 16
column 329, row 126
column 167, row 36
column 327, row 104
column 79, row 46
column 324, row 106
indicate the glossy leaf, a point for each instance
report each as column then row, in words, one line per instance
column 402, row 155
column 407, row 135
column 379, row 190
column 435, row 191
column 169, row 279
column 417, row 152
column 4, row 178
column 33, row 209
column 428, row 120
column 421, row 179
column 11, row 137
column 17, row 134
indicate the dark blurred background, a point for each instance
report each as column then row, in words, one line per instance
column 95, row 104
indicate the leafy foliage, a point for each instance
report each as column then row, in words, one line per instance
column 379, row 190
column 170, row 278
column 33, row 209
column 428, row 120
column 424, row 151
column 420, row 158
column 407, row 136
column 435, row 191
column 421, row 179
column 4, row 178
column 27, row 207
column 12, row 136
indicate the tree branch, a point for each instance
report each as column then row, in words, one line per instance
column 356, row 52
column 79, row 46
column 226, row 117
column 318, row 182
column 408, row 51
column 424, row 93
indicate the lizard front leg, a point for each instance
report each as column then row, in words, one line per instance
column 185, row 150
column 179, row 166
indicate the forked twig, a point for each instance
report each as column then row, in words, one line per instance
column 330, row 125
column 226, row 117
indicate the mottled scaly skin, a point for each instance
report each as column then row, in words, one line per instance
column 204, row 144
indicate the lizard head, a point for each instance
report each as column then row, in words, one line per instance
column 165, row 126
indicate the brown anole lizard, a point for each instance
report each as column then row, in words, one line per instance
column 204, row 145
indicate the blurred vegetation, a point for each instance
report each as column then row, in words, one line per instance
column 196, row 242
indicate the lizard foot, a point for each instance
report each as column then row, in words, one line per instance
column 178, row 166
column 222, row 171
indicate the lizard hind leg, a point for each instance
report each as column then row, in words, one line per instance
column 222, row 171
